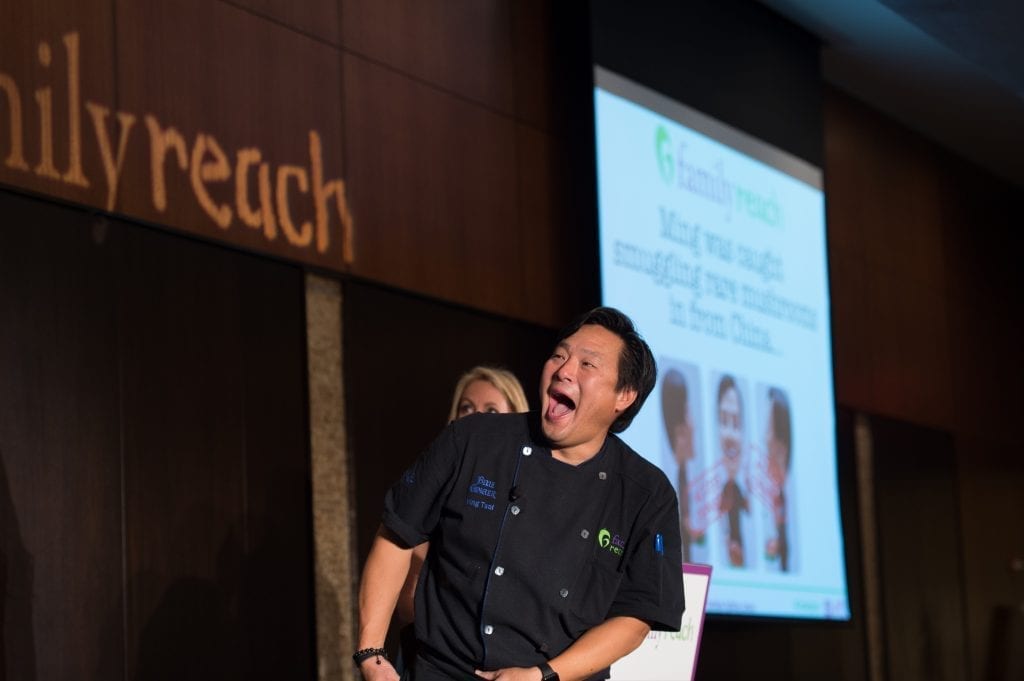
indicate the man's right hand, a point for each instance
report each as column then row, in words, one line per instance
column 383, row 575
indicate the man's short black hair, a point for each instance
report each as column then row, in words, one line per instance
column 637, row 368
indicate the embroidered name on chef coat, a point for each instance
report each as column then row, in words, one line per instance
column 482, row 493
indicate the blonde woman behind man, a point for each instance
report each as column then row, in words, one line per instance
column 489, row 390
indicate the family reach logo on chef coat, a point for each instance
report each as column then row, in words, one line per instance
column 614, row 543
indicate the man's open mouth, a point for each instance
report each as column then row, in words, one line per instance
column 559, row 404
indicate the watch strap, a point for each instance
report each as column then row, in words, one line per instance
column 547, row 673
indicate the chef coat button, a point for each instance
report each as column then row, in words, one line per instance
column 515, row 510
column 585, row 533
column 499, row 571
column 563, row 593
column 488, row 630
column 527, row 451
column 602, row 475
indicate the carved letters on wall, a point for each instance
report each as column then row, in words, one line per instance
column 264, row 196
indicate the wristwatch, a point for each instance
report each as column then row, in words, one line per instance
column 547, row 673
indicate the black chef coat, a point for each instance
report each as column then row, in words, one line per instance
column 527, row 552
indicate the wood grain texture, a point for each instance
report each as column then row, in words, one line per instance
column 243, row 82
column 218, row 534
column 154, row 465
column 36, row 55
column 920, row 547
column 462, row 47
column 433, row 179
column 886, row 211
column 60, row 459
column 318, row 18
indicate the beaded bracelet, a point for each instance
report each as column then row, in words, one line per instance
column 361, row 656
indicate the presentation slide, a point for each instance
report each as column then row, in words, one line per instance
column 714, row 243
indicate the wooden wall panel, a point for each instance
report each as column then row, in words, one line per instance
column 553, row 281
column 319, row 18
column 460, row 46
column 984, row 239
column 926, row 302
column 886, row 208
column 433, row 180
column 538, row 69
column 920, row 552
column 403, row 356
column 60, row 520
column 277, row 568
column 154, row 465
column 247, row 83
column 890, row 197
column 55, row 40
column 985, row 310
column 851, row 332
column 216, row 464
column 929, row 242
column 462, row 193
column 230, row 79
column 992, row 505
column 184, row 457
column 909, row 349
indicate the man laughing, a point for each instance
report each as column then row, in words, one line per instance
column 555, row 547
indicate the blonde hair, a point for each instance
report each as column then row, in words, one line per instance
column 502, row 379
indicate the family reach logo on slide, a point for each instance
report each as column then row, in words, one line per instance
column 663, row 150
column 711, row 183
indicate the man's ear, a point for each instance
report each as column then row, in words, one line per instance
column 625, row 397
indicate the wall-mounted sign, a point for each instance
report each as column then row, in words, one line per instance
column 54, row 137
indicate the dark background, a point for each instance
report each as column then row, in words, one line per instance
column 155, row 508
column 154, row 464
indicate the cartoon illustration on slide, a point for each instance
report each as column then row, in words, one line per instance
column 733, row 500
column 680, row 408
column 774, row 486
